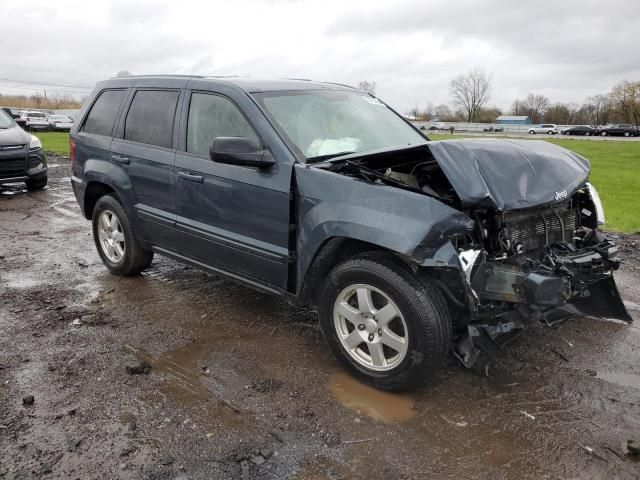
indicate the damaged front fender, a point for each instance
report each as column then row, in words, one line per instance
column 416, row 226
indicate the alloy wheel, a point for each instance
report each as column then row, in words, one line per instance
column 370, row 327
column 111, row 236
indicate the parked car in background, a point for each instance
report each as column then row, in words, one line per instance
column 16, row 117
column 35, row 120
column 580, row 130
column 548, row 128
column 60, row 123
column 438, row 126
column 408, row 248
column 21, row 156
column 620, row 130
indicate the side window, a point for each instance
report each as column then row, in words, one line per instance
column 150, row 117
column 212, row 116
column 103, row 113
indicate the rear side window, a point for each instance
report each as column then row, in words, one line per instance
column 151, row 116
column 212, row 116
column 103, row 113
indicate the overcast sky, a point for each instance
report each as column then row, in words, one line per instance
column 566, row 49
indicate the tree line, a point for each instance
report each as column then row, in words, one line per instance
column 470, row 94
column 40, row 101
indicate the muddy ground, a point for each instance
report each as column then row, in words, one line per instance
column 242, row 386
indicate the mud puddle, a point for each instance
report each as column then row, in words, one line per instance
column 363, row 399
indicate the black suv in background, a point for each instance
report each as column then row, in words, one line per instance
column 21, row 156
column 621, row 130
column 323, row 195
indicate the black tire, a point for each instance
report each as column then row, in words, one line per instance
column 38, row 183
column 604, row 134
column 135, row 258
column 422, row 306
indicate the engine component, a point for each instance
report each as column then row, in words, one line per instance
column 523, row 231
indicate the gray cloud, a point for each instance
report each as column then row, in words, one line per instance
column 412, row 48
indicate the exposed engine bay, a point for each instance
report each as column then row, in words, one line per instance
column 535, row 255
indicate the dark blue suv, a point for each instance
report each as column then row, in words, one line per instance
column 323, row 195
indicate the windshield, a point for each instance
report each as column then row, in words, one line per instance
column 325, row 123
column 5, row 120
column 36, row 115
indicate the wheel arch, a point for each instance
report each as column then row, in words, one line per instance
column 94, row 190
column 104, row 178
column 332, row 251
column 448, row 279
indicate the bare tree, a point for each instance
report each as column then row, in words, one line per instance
column 625, row 99
column 535, row 106
column 471, row 91
column 518, row 108
column 557, row 113
column 367, row 87
column 442, row 111
column 597, row 109
column 572, row 112
column 123, row 73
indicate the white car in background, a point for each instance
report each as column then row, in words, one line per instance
column 60, row 123
column 548, row 128
column 35, row 120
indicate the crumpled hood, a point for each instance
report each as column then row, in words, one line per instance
column 509, row 174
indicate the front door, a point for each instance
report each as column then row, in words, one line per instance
column 230, row 217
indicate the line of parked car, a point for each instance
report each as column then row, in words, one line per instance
column 620, row 130
column 32, row 120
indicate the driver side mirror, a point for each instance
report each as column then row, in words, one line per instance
column 240, row 151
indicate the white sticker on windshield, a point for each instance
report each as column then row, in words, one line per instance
column 373, row 101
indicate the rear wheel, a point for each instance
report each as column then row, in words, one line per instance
column 115, row 240
column 388, row 327
column 627, row 134
column 604, row 134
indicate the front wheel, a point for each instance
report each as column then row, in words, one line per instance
column 604, row 134
column 115, row 240
column 386, row 326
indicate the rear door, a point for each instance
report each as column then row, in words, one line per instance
column 231, row 217
column 145, row 149
column 93, row 140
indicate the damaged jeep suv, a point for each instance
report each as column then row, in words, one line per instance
column 323, row 195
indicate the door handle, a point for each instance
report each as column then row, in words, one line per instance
column 120, row 158
column 189, row 177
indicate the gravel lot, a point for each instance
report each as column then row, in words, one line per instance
column 177, row 374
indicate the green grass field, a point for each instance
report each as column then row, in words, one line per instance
column 54, row 142
column 615, row 171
